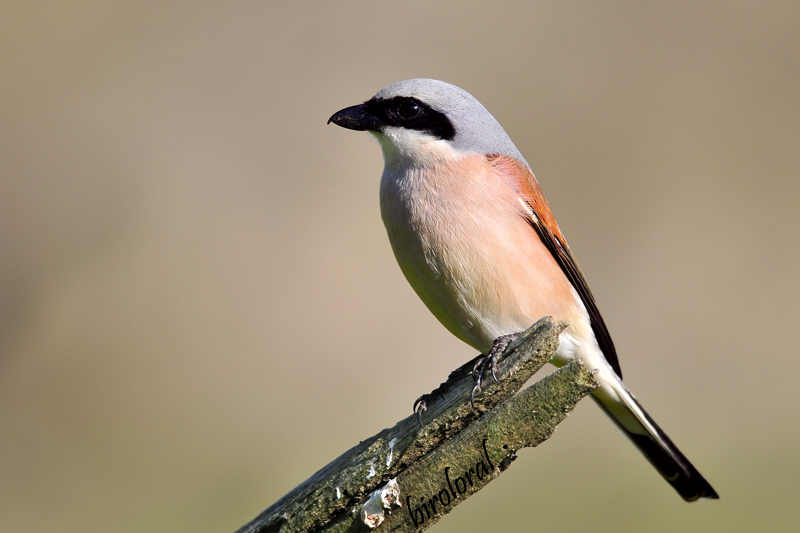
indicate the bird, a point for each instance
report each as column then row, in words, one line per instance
column 476, row 239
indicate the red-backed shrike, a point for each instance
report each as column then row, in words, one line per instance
column 477, row 241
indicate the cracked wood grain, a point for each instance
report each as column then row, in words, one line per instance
column 394, row 481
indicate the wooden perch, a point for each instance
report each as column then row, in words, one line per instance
column 407, row 477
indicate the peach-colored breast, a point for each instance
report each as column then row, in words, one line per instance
column 458, row 229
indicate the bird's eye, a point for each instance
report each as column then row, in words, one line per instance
column 409, row 109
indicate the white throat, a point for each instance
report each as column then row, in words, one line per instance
column 404, row 148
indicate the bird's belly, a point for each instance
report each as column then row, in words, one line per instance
column 477, row 265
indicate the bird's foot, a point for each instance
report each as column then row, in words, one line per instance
column 421, row 403
column 489, row 363
column 480, row 369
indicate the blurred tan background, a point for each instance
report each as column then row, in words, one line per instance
column 199, row 307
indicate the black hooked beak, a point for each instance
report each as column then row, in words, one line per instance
column 356, row 118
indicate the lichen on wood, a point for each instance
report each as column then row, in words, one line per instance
column 454, row 454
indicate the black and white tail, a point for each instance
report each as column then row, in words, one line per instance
column 623, row 408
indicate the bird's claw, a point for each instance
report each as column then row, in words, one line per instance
column 484, row 365
column 489, row 362
column 420, row 406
